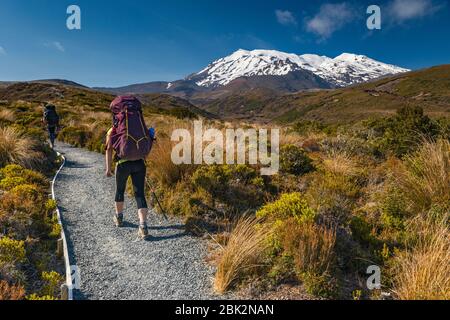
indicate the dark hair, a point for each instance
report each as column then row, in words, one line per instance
column 50, row 106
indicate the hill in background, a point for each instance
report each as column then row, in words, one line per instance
column 70, row 93
column 429, row 89
column 243, row 100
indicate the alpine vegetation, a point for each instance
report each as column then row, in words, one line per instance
column 231, row 146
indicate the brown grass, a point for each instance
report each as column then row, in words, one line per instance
column 338, row 162
column 17, row 148
column 425, row 175
column 423, row 271
column 312, row 246
column 162, row 168
column 11, row 292
column 243, row 252
column 7, row 115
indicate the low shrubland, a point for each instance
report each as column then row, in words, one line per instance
column 28, row 231
column 374, row 193
column 347, row 197
column 344, row 200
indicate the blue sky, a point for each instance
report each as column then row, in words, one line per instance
column 132, row 41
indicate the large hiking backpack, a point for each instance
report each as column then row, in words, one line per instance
column 50, row 116
column 130, row 137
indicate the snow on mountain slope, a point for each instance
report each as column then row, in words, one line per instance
column 346, row 69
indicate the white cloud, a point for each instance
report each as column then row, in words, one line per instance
column 55, row 45
column 2, row 51
column 403, row 10
column 59, row 46
column 329, row 19
column 285, row 17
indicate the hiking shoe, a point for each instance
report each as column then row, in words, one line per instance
column 143, row 232
column 118, row 220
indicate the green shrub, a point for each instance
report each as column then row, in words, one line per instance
column 362, row 231
column 11, row 251
column 238, row 187
column 56, row 231
column 12, row 170
column 27, row 191
column 402, row 133
column 36, row 297
column 444, row 127
column 283, row 267
column 393, row 208
column 305, row 126
column 333, row 194
column 292, row 205
column 9, row 183
column 29, row 176
column 213, row 179
column 52, row 282
column 320, row 285
column 50, row 205
column 294, row 160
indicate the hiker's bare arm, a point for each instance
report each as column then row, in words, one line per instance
column 108, row 160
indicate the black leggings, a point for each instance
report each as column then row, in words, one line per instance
column 137, row 171
column 52, row 134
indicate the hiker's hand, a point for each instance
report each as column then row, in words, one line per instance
column 109, row 173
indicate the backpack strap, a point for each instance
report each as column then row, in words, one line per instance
column 137, row 141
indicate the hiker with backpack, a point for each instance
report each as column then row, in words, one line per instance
column 131, row 142
column 51, row 120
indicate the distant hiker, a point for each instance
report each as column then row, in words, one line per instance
column 51, row 120
column 130, row 140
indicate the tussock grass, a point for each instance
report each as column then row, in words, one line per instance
column 243, row 252
column 312, row 246
column 162, row 168
column 7, row 115
column 17, row 148
column 339, row 162
column 425, row 175
column 422, row 272
column 290, row 138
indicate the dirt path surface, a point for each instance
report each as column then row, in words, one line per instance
column 113, row 263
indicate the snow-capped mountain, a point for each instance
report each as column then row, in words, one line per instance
column 269, row 70
column 344, row 70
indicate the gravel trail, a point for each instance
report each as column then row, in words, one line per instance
column 113, row 263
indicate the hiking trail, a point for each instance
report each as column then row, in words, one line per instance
column 113, row 263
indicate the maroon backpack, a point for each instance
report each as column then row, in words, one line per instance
column 130, row 137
